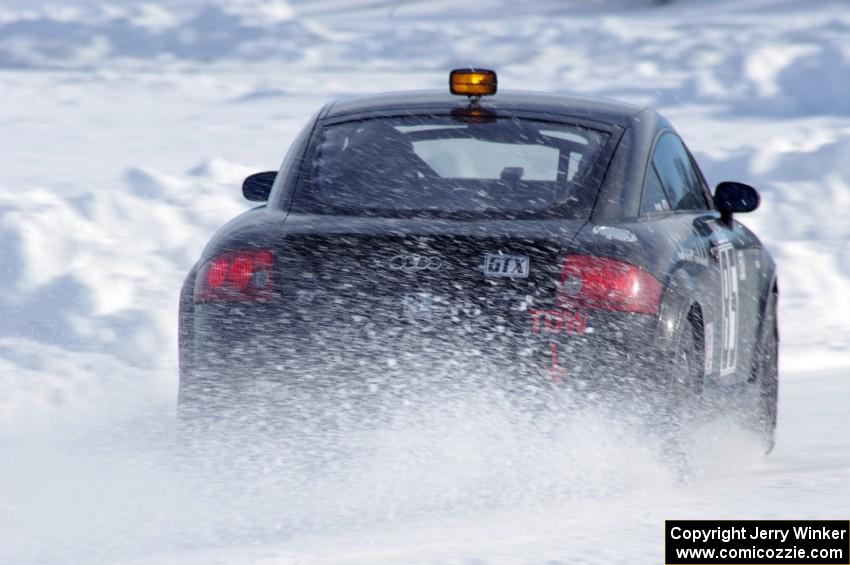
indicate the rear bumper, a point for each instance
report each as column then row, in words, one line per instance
column 249, row 346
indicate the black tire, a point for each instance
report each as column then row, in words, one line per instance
column 194, row 409
column 766, row 378
column 205, row 397
column 681, row 392
column 687, row 368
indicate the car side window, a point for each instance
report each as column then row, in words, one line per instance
column 654, row 200
column 678, row 176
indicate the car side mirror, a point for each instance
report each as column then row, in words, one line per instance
column 735, row 197
column 258, row 186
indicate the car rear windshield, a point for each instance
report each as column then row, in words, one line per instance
column 443, row 166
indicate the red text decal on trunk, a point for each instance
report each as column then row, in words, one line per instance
column 557, row 321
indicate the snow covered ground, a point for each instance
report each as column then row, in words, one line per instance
column 464, row 482
column 127, row 128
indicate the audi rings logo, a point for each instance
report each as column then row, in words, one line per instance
column 410, row 263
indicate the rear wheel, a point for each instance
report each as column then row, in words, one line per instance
column 681, row 391
column 206, row 397
column 194, row 409
column 766, row 378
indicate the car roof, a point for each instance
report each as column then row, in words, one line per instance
column 597, row 109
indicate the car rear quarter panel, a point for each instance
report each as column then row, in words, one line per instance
column 659, row 247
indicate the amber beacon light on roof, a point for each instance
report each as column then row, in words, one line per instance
column 473, row 82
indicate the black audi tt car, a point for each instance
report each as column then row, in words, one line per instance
column 515, row 240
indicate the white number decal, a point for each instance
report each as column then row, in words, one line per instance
column 709, row 348
column 729, row 308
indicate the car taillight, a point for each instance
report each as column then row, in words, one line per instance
column 240, row 276
column 607, row 284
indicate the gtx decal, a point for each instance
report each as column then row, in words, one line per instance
column 506, row 265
